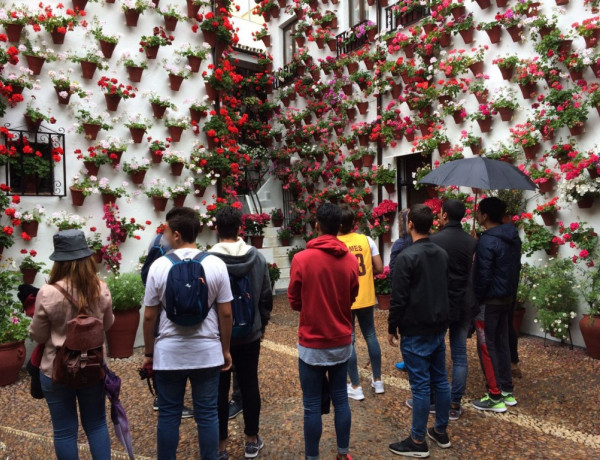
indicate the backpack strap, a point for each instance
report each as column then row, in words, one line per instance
column 67, row 295
column 174, row 258
column 159, row 246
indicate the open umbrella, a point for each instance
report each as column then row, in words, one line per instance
column 479, row 173
column 112, row 388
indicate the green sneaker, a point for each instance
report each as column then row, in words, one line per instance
column 488, row 404
column 509, row 399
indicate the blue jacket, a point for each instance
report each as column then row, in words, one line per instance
column 497, row 264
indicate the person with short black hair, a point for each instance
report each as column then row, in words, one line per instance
column 495, row 280
column 206, row 351
column 323, row 286
column 369, row 263
column 243, row 261
column 419, row 313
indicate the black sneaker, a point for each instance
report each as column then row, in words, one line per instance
column 455, row 413
column 408, row 448
column 187, row 412
column 441, row 440
column 155, row 404
column 223, row 455
column 235, row 408
column 253, row 448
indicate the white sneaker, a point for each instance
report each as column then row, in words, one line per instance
column 377, row 386
column 355, row 393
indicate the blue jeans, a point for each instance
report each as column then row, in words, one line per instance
column 425, row 358
column 460, row 364
column 367, row 327
column 312, row 381
column 62, row 403
column 170, row 387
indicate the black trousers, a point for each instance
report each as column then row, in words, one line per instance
column 513, row 338
column 497, row 327
column 245, row 359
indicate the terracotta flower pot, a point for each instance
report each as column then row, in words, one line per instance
column 199, row 190
column 549, row 218
column 390, row 188
column 138, row 177
column 152, row 51
column 528, row 90
column 79, row 4
column 546, row 187
column 115, row 157
column 484, row 4
column 476, row 148
column 590, row 330
column 170, row 23
column 58, row 38
column 506, row 113
column 210, row 37
column 92, row 168
column 121, row 336
column 194, row 63
column 12, row 357
column 108, row 198
column 88, row 69
column 135, row 73
column 467, row 35
column 515, row 33
column 29, row 275
column 367, row 160
column 176, row 169
column 107, row 48
column 77, row 197
column 485, row 125
column 91, row 130
column 192, row 9
column 160, row 203
column 131, row 17
column 362, row 107
column 35, row 63
column 507, row 72
column 62, row 100
column 158, row 110
column 112, row 102
column 97, row 257
column 257, row 241
column 577, row 130
column 383, row 301
column 501, row 3
column 175, row 81
column 494, row 33
column 137, row 134
column 531, row 151
column 31, row 228
column 13, row 32
column 175, row 133
column 586, row 202
column 553, row 249
column 179, row 200
column 32, row 125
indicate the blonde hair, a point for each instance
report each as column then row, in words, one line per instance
column 79, row 275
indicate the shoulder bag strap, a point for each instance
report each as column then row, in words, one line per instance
column 68, row 296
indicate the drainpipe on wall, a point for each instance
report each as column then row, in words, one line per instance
column 379, row 148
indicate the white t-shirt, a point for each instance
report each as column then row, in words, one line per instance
column 373, row 246
column 184, row 347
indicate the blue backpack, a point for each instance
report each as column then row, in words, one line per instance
column 155, row 252
column 186, row 294
column 242, row 306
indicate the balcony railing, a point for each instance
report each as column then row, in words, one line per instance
column 350, row 40
column 394, row 20
column 290, row 72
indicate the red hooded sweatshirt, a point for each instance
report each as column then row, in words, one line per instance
column 323, row 286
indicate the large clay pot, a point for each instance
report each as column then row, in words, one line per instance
column 383, row 301
column 12, row 357
column 121, row 336
column 590, row 330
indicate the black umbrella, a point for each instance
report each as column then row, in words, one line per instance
column 480, row 174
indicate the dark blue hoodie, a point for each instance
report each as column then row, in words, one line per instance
column 497, row 264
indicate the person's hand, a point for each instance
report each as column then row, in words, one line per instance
column 227, row 365
column 147, row 363
column 393, row 339
column 474, row 233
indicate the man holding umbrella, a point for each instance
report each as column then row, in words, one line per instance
column 496, row 277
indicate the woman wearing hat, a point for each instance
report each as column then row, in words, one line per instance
column 75, row 271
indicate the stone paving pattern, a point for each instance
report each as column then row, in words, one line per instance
column 557, row 415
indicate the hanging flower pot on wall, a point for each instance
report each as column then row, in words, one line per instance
column 63, row 96
column 138, row 177
column 175, row 81
column 137, row 134
column 91, row 130
column 88, row 69
column 35, row 63
column 549, row 218
column 13, row 32
column 176, row 168
column 131, row 17
column 158, row 110
column 179, row 200
column 79, row 4
column 77, row 197
column 31, row 228
column 194, row 63
column 586, row 202
column 135, row 73
column 92, row 168
column 152, row 51
column 107, row 48
column 112, row 102
column 58, row 35
column 160, row 203
column 170, row 23
column 192, row 9
column 175, row 133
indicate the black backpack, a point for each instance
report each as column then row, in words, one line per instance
column 186, row 294
column 155, row 252
column 242, row 306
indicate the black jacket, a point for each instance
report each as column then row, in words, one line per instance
column 460, row 247
column 419, row 304
column 497, row 265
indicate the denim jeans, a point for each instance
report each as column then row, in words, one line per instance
column 425, row 358
column 62, row 403
column 366, row 322
column 170, row 386
column 311, row 380
column 460, row 365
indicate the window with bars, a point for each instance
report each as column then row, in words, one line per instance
column 289, row 44
column 357, row 11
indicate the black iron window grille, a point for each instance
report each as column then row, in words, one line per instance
column 394, row 20
column 34, row 162
column 352, row 39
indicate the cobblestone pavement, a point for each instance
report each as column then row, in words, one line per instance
column 556, row 416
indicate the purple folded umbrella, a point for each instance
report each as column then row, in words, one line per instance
column 112, row 388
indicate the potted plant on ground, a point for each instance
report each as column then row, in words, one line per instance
column 277, row 217
column 274, row 274
column 127, row 292
column 254, row 226
column 526, row 282
column 553, row 294
column 589, row 287
column 284, row 234
column 14, row 326
column 383, row 288
column 29, row 267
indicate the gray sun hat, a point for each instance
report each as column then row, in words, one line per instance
column 70, row 245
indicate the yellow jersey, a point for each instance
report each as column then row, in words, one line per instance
column 359, row 246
